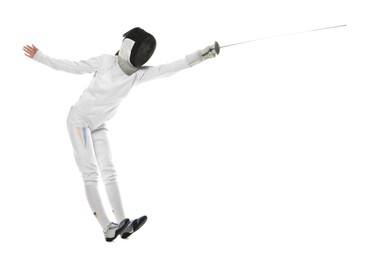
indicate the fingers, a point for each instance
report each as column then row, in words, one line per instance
column 26, row 48
column 30, row 50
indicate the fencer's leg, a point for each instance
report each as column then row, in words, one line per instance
column 109, row 175
column 86, row 160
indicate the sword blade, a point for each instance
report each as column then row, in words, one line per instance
column 283, row 35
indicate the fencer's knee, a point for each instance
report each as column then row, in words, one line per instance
column 108, row 175
column 90, row 178
column 107, row 169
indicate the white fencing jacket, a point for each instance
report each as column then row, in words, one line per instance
column 110, row 85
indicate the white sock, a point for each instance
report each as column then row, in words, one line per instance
column 113, row 193
column 94, row 201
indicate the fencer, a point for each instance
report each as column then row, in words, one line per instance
column 113, row 77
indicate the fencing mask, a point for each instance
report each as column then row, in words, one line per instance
column 137, row 48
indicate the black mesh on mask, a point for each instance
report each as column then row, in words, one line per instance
column 143, row 48
column 142, row 52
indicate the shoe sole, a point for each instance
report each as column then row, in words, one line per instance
column 119, row 231
column 127, row 234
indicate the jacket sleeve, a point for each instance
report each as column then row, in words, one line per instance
column 76, row 67
column 165, row 70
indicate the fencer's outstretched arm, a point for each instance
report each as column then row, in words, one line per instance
column 170, row 68
column 76, row 67
column 144, row 74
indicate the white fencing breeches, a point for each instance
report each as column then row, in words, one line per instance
column 93, row 157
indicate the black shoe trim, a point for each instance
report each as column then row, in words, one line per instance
column 136, row 225
column 119, row 230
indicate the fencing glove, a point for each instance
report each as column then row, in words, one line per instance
column 209, row 52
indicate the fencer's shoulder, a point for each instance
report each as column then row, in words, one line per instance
column 107, row 57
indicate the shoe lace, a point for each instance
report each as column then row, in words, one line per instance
column 111, row 226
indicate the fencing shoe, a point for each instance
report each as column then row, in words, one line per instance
column 113, row 230
column 135, row 225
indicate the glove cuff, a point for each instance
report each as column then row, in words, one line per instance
column 194, row 58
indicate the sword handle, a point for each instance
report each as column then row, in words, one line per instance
column 211, row 51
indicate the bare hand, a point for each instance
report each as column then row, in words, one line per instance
column 30, row 51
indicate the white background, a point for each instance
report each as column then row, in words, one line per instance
column 262, row 153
